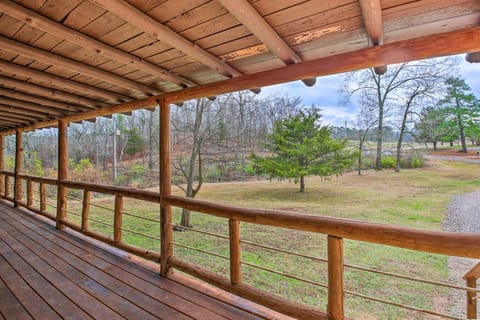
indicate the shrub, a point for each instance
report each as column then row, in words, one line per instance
column 389, row 162
column 417, row 162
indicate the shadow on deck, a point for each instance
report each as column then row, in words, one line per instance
column 50, row 274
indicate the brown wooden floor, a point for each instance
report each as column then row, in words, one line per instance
column 51, row 274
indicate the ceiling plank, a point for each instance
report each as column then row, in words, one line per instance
column 24, row 112
column 75, row 66
column 30, row 106
column 57, row 29
column 49, row 93
column 39, row 100
column 132, row 15
column 60, row 82
column 243, row 11
column 373, row 21
column 12, row 117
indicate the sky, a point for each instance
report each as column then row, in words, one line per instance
column 325, row 94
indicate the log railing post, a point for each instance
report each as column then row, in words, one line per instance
column 235, row 251
column 17, row 187
column 335, row 278
column 62, row 173
column 7, row 186
column 117, row 219
column 166, row 233
column 29, row 193
column 2, row 165
column 43, row 197
column 471, row 299
column 85, row 209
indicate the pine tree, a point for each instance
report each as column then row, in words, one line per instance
column 302, row 147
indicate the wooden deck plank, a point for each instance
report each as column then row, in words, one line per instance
column 10, row 307
column 196, row 297
column 13, row 254
column 100, row 272
column 116, row 302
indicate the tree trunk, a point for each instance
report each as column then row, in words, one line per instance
column 378, row 158
column 451, row 143
column 434, row 145
column 462, row 138
column 302, row 184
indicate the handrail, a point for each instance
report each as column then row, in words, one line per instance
column 449, row 243
column 471, row 278
column 7, row 173
column 38, row 179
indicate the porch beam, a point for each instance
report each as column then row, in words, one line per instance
column 59, row 82
column 166, row 35
column 67, row 63
column 50, row 93
column 63, row 32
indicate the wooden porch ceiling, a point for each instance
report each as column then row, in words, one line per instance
column 63, row 58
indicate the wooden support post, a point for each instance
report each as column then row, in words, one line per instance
column 335, row 278
column 29, row 193
column 471, row 299
column 62, row 172
column 7, row 186
column 43, row 197
column 2, row 165
column 85, row 209
column 166, row 232
column 235, row 252
column 117, row 219
column 17, row 187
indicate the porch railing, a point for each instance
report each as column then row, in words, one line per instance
column 336, row 230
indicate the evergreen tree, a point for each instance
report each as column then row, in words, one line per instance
column 433, row 127
column 302, row 147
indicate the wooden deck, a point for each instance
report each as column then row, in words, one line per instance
column 51, row 274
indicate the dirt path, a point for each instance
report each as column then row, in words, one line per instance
column 463, row 216
column 452, row 158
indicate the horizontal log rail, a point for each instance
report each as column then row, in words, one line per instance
column 448, row 243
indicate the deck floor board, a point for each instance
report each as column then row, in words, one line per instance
column 51, row 274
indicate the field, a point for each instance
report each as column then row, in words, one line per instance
column 415, row 198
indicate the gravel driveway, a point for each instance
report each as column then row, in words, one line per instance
column 463, row 215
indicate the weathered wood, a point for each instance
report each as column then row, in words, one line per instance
column 448, row 243
column 29, row 193
column 473, row 273
column 59, row 82
column 37, row 179
column 85, row 209
column 117, row 219
column 43, row 197
column 471, row 299
column 62, row 172
column 235, row 252
column 57, row 60
column 2, row 165
column 17, row 188
column 163, row 33
column 166, row 235
column 63, row 32
column 7, row 187
column 50, row 93
column 31, row 106
column 335, row 278
column 274, row 302
column 149, row 196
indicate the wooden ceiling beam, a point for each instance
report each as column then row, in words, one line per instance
column 41, row 101
column 450, row 43
column 142, row 21
column 69, row 64
column 30, row 106
column 247, row 15
column 23, row 112
column 12, row 117
column 59, row 82
column 373, row 21
column 49, row 93
column 63, row 32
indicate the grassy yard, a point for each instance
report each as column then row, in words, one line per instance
column 415, row 198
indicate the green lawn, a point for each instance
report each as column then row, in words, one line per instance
column 414, row 198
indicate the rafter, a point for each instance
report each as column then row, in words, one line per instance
column 41, row 101
column 56, row 81
column 166, row 35
column 23, row 112
column 373, row 21
column 12, row 117
column 60, row 61
column 57, row 29
column 246, row 14
column 30, row 106
column 49, row 93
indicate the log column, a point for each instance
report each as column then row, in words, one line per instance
column 166, row 236
column 17, row 188
column 471, row 299
column 2, row 164
column 335, row 278
column 62, row 173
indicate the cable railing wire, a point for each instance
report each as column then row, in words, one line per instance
column 139, row 217
column 200, row 231
column 202, row 251
column 140, row 233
